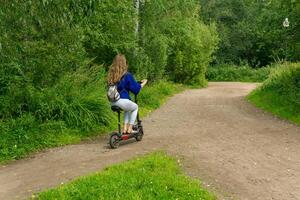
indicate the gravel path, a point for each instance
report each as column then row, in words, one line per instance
column 238, row 151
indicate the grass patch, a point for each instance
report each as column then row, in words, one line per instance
column 156, row 176
column 276, row 104
column 280, row 94
column 237, row 73
column 24, row 135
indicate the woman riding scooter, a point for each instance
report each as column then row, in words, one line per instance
column 126, row 83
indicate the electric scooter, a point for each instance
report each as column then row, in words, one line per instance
column 117, row 137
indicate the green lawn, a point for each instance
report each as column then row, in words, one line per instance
column 156, row 176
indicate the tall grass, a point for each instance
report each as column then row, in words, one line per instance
column 237, row 73
column 73, row 109
column 280, row 94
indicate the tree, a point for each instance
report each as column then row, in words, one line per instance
column 252, row 32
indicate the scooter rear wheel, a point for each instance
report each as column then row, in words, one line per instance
column 114, row 141
column 140, row 135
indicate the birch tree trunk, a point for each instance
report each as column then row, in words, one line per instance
column 137, row 9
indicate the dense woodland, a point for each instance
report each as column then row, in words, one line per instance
column 54, row 55
column 252, row 32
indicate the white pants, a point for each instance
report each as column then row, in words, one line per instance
column 130, row 110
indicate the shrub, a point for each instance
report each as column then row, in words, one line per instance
column 76, row 108
column 237, row 73
column 109, row 29
column 280, row 93
column 151, row 58
column 39, row 45
column 176, row 42
column 191, row 52
column 285, row 80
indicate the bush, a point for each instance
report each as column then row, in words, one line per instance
column 176, row 42
column 151, row 58
column 109, row 29
column 40, row 44
column 76, row 110
column 237, row 73
column 193, row 44
column 280, row 93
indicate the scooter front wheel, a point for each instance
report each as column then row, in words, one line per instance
column 140, row 134
column 114, row 141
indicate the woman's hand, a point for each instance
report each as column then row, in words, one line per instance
column 144, row 82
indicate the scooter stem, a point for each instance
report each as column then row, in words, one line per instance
column 136, row 101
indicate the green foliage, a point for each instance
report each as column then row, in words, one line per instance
column 109, row 29
column 73, row 108
column 78, row 99
column 39, row 41
column 54, row 56
column 56, row 38
column 175, row 42
column 81, row 110
column 280, row 93
column 38, row 48
column 191, row 53
column 156, row 176
column 152, row 57
column 72, row 100
column 228, row 72
column 252, row 32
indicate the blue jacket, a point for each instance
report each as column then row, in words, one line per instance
column 126, row 84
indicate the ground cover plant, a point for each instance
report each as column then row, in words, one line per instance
column 280, row 93
column 227, row 72
column 156, row 176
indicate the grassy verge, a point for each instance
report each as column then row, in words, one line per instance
column 156, row 176
column 22, row 136
column 278, row 105
column 237, row 73
column 280, row 94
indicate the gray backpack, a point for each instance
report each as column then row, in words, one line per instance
column 112, row 93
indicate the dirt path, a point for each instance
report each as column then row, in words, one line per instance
column 237, row 150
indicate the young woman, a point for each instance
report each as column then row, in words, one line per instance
column 119, row 75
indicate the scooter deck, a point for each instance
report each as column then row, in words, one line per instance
column 128, row 136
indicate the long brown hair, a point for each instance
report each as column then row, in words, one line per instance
column 117, row 69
